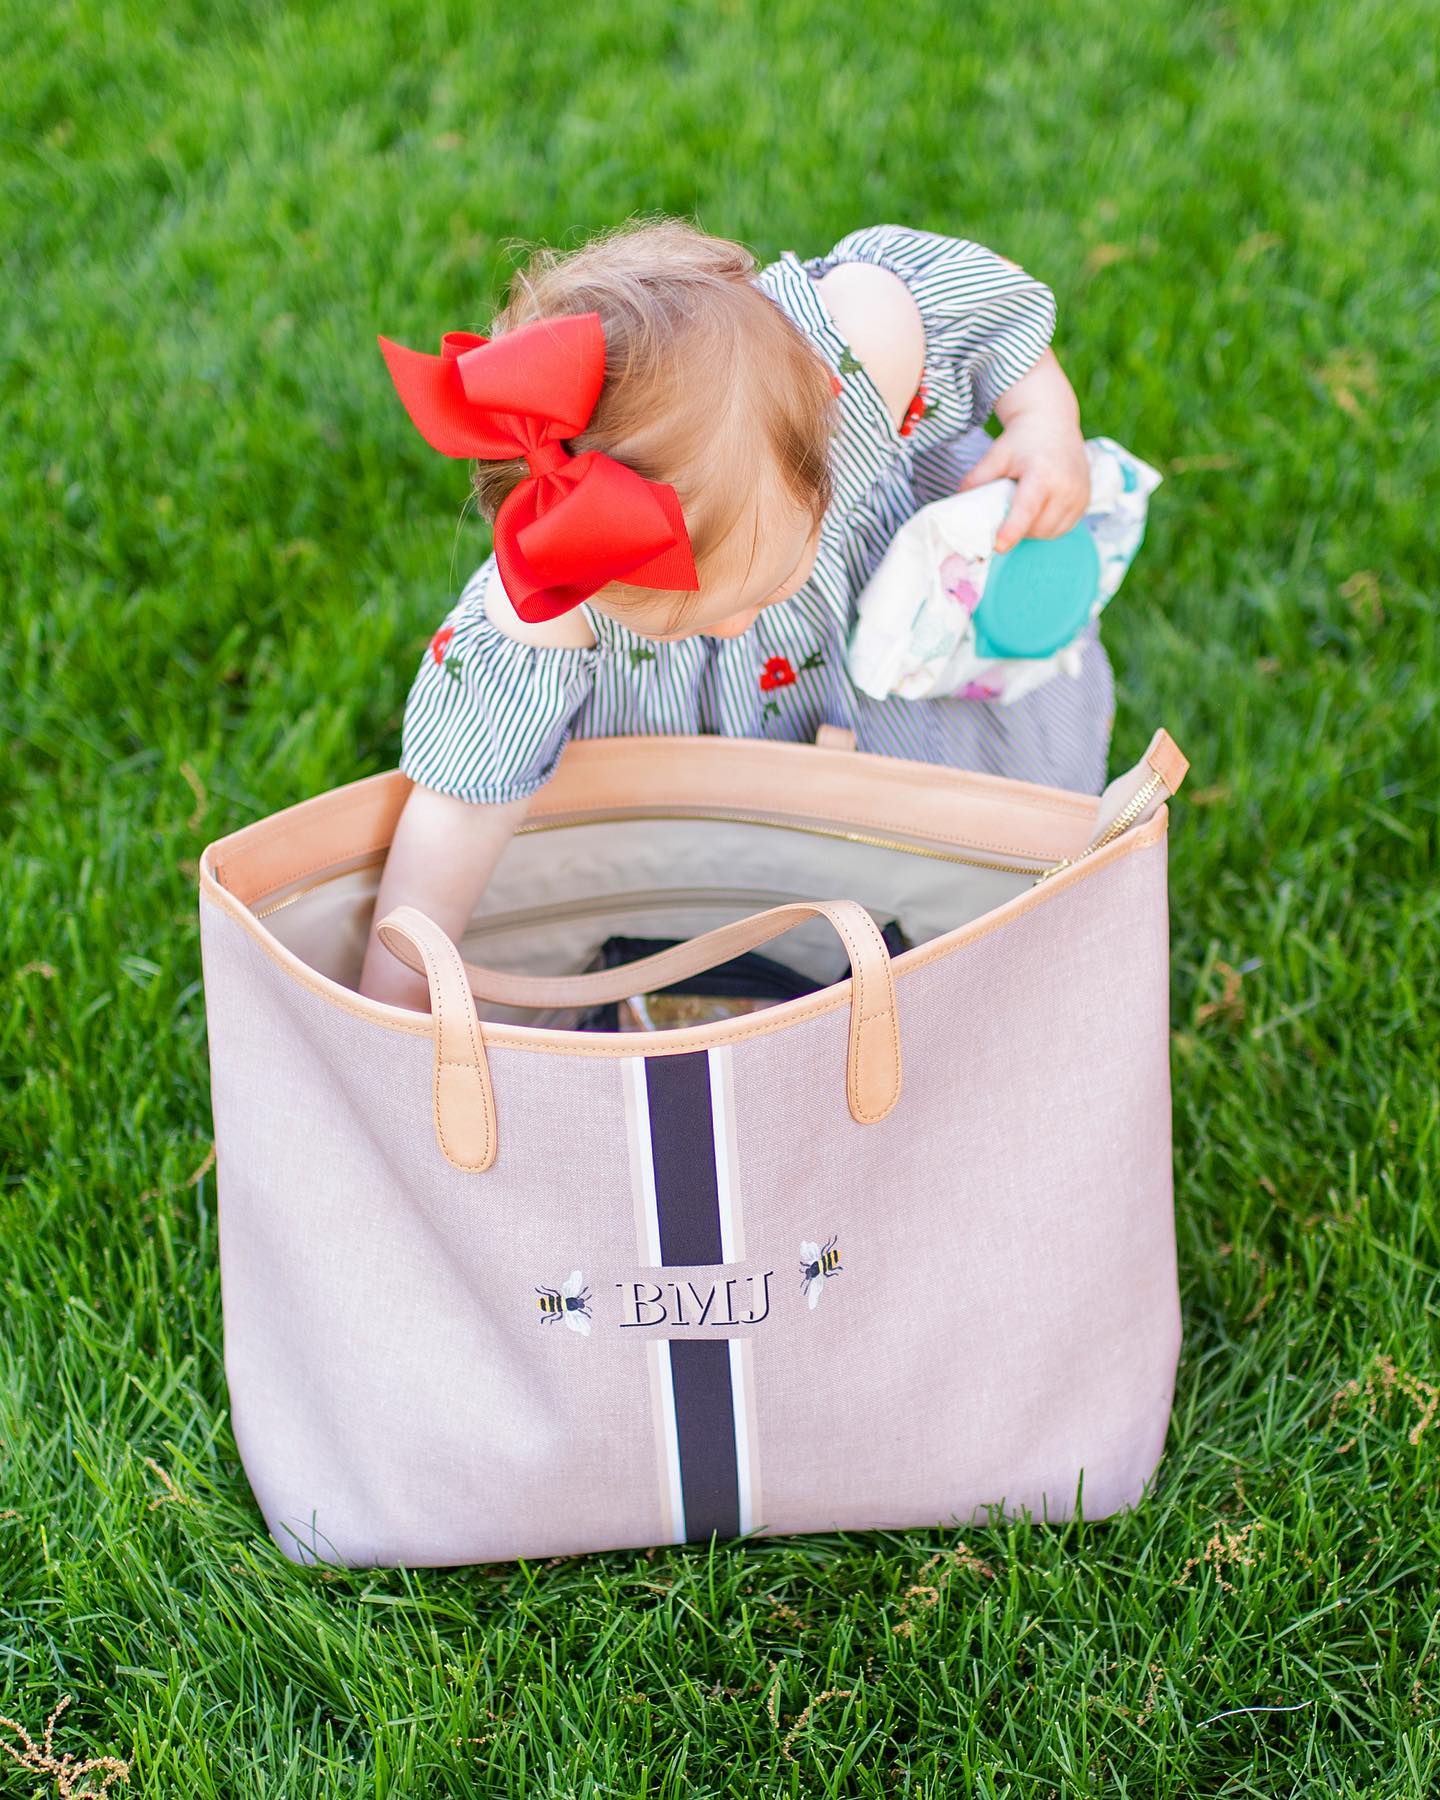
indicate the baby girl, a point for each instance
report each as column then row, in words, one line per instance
column 693, row 469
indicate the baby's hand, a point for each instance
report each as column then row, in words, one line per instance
column 1042, row 451
column 1046, row 460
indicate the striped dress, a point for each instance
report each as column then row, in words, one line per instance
column 487, row 717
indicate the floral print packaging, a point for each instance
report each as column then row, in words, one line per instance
column 915, row 633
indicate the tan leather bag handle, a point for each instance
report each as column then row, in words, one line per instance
column 872, row 1074
column 464, row 1096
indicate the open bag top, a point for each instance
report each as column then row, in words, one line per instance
column 1037, row 840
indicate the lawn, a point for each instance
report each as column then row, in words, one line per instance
column 225, row 552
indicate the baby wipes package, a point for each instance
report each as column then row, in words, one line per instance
column 945, row 614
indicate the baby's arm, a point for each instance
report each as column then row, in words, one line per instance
column 443, row 854
column 1040, row 446
column 445, row 849
column 1041, row 449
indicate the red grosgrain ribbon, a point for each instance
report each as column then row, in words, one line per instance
column 575, row 522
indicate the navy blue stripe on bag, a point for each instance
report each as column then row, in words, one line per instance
column 701, row 1373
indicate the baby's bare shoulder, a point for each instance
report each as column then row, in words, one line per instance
column 880, row 321
column 569, row 632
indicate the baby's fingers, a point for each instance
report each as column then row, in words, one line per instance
column 1055, row 518
column 992, row 466
column 1024, row 510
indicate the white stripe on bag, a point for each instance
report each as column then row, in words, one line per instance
column 660, row 1350
column 732, row 1243
column 639, row 1109
column 739, row 1356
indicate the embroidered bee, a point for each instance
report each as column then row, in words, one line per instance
column 570, row 1302
column 817, row 1264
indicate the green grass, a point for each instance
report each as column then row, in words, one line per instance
column 224, row 550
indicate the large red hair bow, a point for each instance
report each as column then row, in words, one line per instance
column 575, row 522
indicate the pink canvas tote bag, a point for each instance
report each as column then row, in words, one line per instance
column 898, row 1253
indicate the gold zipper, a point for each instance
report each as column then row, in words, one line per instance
column 637, row 901
column 1117, row 827
column 300, row 893
column 820, row 831
column 531, row 826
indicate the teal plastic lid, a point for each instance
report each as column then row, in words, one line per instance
column 1038, row 595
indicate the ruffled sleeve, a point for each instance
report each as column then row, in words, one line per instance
column 986, row 321
column 487, row 717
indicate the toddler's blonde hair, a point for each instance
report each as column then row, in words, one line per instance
column 701, row 368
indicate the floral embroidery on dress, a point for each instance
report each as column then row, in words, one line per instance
column 640, row 653
column 918, row 409
column 780, row 672
column 438, row 646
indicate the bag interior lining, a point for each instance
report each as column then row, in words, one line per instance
column 557, row 895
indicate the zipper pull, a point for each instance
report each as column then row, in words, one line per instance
column 1133, row 797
